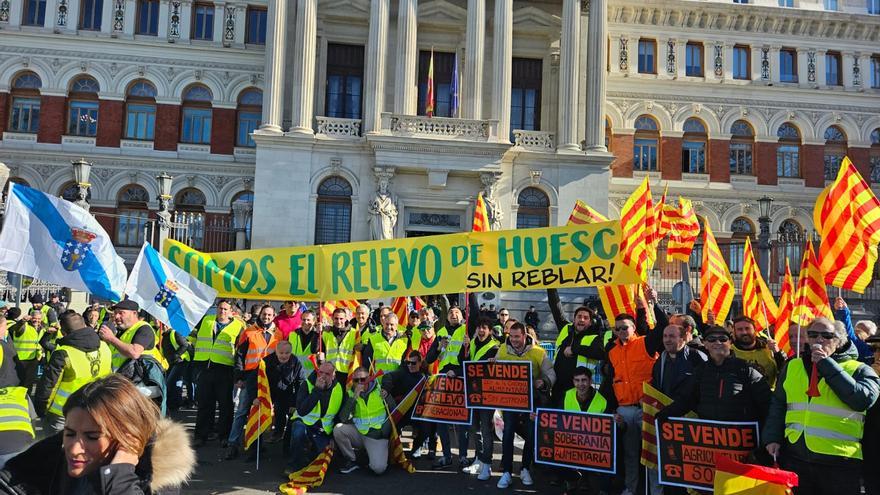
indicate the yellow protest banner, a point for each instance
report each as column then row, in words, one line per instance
column 553, row 257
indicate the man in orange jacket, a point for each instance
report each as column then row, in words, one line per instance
column 255, row 343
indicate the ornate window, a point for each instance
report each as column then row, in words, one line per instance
column 203, row 21
column 249, row 115
column 140, row 111
column 196, row 115
column 34, row 13
column 256, row 26
column 25, row 115
column 693, row 147
column 82, row 107
column 833, row 69
column 525, row 101
column 333, row 211
column 645, row 144
column 147, row 17
column 444, row 62
column 345, row 81
column 742, row 143
column 647, row 56
column 788, row 65
column 694, row 59
column 835, row 150
column 742, row 228
column 742, row 62
column 534, row 209
column 90, row 15
column 131, row 204
column 875, row 156
column 788, row 162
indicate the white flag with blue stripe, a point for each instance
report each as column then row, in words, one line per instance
column 54, row 240
column 173, row 296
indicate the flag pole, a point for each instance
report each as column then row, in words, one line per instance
column 259, row 429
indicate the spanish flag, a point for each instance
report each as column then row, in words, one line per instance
column 736, row 478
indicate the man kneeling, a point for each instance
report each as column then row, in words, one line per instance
column 369, row 428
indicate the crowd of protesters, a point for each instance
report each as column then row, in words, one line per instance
column 725, row 372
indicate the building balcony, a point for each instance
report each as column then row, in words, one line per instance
column 440, row 128
column 336, row 128
column 534, row 140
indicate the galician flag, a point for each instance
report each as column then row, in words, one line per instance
column 165, row 291
column 54, row 240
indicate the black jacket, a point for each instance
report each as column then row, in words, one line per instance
column 10, row 366
column 284, row 378
column 174, row 356
column 733, row 391
column 166, row 464
column 306, row 401
column 85, row 340
column 680, row 383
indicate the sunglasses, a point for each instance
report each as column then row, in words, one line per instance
column 824, row 335
column 412, row 363
column 718, row 338
column 359, row 380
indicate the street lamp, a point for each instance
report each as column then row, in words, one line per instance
column 764, row 235
column 163, row 215
column 241, row 213
column 81, row 171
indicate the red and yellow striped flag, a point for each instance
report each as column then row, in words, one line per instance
column 400, row 307
column 758, row 303
column 847, row 216
column 328, row 307
column 811, row 298
column 637, row 225
column 716, row 284
column 260, row 415
column 481, row 216
column 584, row 214
column 783, row 315
column 659, row 233
column 652, row 402
column 309, row 476
column 616, row 299
column 429, row 98
column 736, row 478
column 684, row 228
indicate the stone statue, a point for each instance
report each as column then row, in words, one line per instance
column 492, row 210
column 383, row 211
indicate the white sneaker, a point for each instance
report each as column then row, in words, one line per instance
column 474, row 468
column 505, row 480
column 526, row 477
column 485, row 472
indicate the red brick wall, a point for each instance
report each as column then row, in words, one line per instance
column 719, row 160
column 812, row 164
column 622, row 147
column 223, row 131
column 52, row 119
column 4, row 112
column 111, row 123
column 764, row 162
column 670, row 158
column 167, row 127
column 861, row 158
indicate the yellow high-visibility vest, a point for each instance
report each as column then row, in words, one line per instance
column 370, row 414
column 27, row 346
column 456, row 341
column 387, row 357
column 14, row 412
column 81, row 368
column 328, row 418
column 119, row 359
column 597, row 404
column 222, row 349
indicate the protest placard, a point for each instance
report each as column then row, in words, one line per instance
column 687, row 448
column 504, row 385
column 576, row 440
column 443, row 401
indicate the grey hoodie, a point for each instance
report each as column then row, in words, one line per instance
column 858, row 391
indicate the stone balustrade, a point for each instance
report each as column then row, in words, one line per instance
column 338, row 128
column 534, row 140
column 440, row 127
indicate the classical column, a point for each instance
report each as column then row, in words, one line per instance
column 728, row 61
column 405, row 89
column 568, row 76
column 821, row 79
column 273, row 95
column 846, row 68
column 304, row 67
column 773, row 57
column 472, row 102
column 219, row 18
column 107, row 16
column 597, row 33
column 128, row 19
column 374, row 80
column 185, row 20
column 681, row 57
column 502, row 61
column 162, row 28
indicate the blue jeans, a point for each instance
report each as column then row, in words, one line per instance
column 462, row 438
column 239, row 420
column 305, row 443
column 178, row 372
column 517, row 422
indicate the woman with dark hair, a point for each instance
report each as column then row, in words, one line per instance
column 113, row 442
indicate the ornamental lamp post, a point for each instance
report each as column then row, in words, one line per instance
column 81, row 171
column 241, row 213
column 163, row 215
column 764, row 235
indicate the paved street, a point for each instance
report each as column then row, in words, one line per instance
column 216, row 476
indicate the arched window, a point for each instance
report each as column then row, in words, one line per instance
column 189, row 204
column 243, row 199
column 25, row 115
column 791, row 239
column 835, row 150
column 693, row 147
column 875, row 155
column 131, row 206
column 140, row 111
column 250, row 113
column 196, row 127
column 82, row 107
column 741, row 228
column 534, row 209
column 788, row 162
column 645, row 144
column 333, row 212
column 742, row 142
